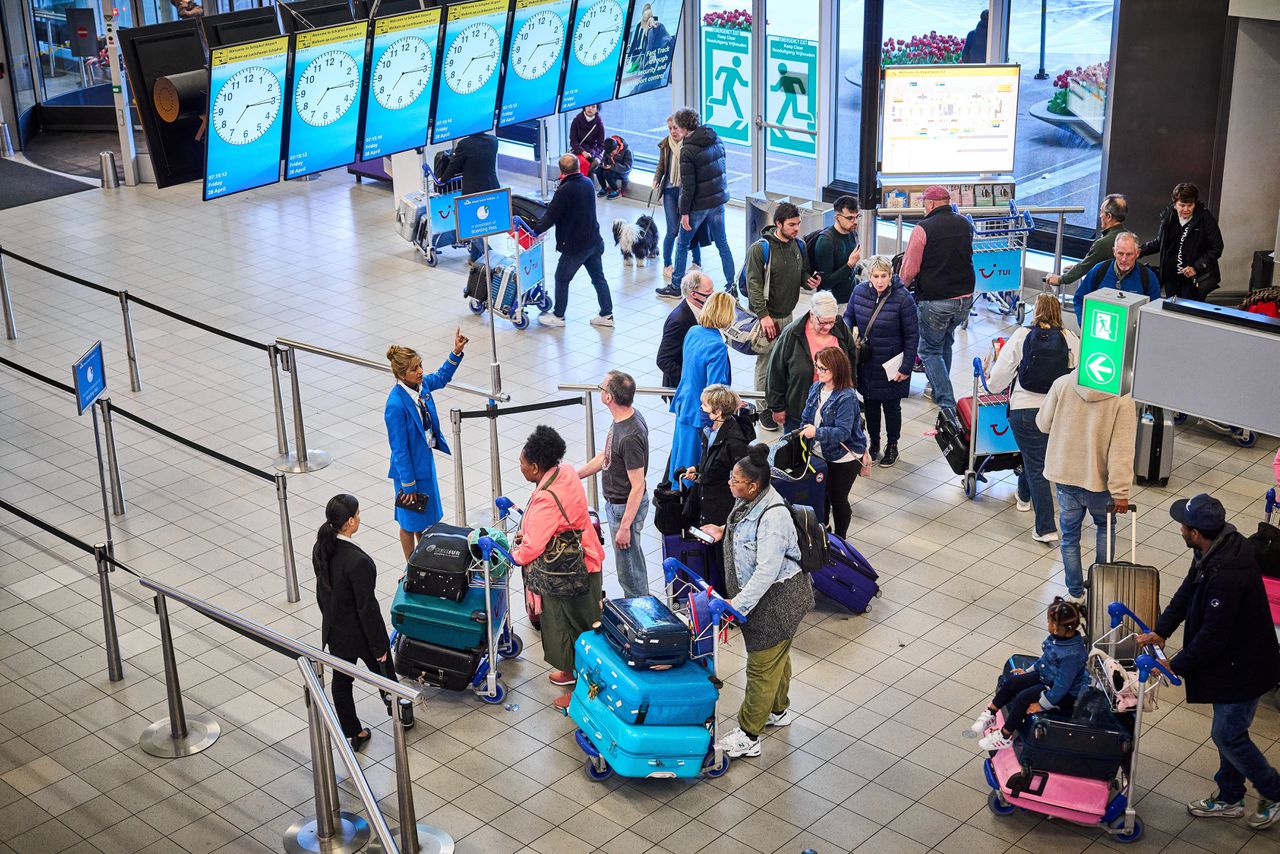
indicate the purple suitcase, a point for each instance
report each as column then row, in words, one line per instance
column 848, row 577
column 707, row 561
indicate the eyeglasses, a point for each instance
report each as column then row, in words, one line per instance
column 823, row 368
column 824, row 321
column 703, row 296
column 846, row 216
column 737, row 481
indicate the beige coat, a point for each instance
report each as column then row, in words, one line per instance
column 1091, row 437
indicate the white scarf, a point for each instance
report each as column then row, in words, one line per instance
column 673, row 167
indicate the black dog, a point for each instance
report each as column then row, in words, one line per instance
column 639, row 241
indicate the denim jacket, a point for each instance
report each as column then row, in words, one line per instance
column 841, row 422
column 1062, row 669
column 765, row 548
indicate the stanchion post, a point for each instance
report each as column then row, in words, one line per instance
column 102, row 483
column 176, row 735
column 286, row 540
column 135, row 378
column 113, row 461
column 10, row 329
column 277, row 402
column 593, row 492
column 495, row 462
column 305, row 459
column 404, row 790
column 459, row 487
column 111, row 639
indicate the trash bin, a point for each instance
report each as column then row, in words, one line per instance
column 814, row 215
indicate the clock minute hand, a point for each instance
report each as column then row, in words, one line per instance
column 410, row 71
column 247, row 107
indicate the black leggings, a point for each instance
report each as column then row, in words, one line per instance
column 343, row 701
column 840, row 478
column 1018, row 691
column 892, row 420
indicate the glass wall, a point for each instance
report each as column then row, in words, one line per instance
column 791, row 97
column 725, row 35
column 642, row 121
column 21, row 62
column 61, row 74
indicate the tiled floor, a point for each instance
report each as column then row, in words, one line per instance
column 875, row 763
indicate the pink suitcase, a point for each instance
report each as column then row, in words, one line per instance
column 1272, row 586
column 1058, row 795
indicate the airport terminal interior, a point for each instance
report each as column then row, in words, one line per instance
column 282, row 278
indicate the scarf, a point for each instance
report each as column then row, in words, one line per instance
column 673, row 167
column 739, row 512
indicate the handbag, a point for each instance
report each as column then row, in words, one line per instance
column 863, row 339
column 561, row 569
column 668, row 509
column 415, row 501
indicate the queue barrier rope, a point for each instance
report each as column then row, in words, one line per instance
column 496, row 411
column 35, row 375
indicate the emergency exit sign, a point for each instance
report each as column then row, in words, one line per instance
column 1107, row 336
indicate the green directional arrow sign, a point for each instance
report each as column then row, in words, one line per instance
column 1106, row 340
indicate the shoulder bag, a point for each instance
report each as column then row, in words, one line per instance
column 561, row 569
column 863, row 339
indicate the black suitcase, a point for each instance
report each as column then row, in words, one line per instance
column 529, row 210
column 645, row 632
column 441, row 563
column 1094, row 743
column 953, row 441
column 431, row 664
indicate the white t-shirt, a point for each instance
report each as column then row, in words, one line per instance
column 823, row 397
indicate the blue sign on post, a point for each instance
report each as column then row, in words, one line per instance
column 997, row 271
column 90, row 377
column 483, row 214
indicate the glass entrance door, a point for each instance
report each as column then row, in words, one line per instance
column 788, row 100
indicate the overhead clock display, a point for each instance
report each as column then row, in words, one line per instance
column 539, row 33
column 328, row 81
column 591, row 71
column 466, row 91
column 399, row 100
column 246, row 107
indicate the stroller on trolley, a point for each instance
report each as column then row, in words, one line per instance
column 979, row 440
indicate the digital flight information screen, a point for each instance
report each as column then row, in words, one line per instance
column 475, row 36
column 595, row 45
column 535, row 57
column 246, row 107
column 399, row 98
column 328, row 79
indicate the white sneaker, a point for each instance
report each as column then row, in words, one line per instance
column 784, row 719
column 667, row 273
column 995, row 741
column 548, row 319
column 983, row 723
column 738, row 743
column 1024, row 506
column 1051, row 537
column 605, row 320
column 1074, row 600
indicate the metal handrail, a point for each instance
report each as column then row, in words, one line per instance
column 380, row 366
column 270, row 637
column 329, row 718
column 592, row 388
column 890, row 213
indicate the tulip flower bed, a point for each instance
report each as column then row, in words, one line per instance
column 931, row 49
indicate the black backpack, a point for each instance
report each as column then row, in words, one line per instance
column 1045, row 357
column 815, row 553
column 810, row 244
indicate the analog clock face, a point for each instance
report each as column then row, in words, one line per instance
column 472, row 58
column 598, row 32
column 536, row 47
column 327, row 88
column 246, row 106
column 402, row 73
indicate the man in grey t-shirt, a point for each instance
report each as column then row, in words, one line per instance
column 624, row 461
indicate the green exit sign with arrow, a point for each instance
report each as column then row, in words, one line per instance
column 1107, row 338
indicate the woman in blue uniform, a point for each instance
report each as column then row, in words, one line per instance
column 705, row 360
column 413, row 431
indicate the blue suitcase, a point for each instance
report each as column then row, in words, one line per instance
column 706, row 560
column 799, row 476
column 683, row 695
column 645, row 632
column 443, row 622
column 638, row 751
column 848, row 577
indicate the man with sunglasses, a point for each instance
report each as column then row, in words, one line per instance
column 836, row 253
column 695, row 288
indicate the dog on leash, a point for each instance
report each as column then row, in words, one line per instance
column 638, row 241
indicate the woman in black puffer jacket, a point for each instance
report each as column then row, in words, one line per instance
column 895, row 330
column 1189, row 243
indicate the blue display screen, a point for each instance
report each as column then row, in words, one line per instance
column 475, row 36
column 399, row 101
column 324, row 117
column 591, row 69
column 535, row 58
column 650, row 44
column 246, row 107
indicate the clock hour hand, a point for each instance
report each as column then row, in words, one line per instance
column 410, row 71
column 247, row 107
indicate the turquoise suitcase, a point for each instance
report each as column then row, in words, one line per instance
column 682, row 695
column 443, row 622
column 638, row 751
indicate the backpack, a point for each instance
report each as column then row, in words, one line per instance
column 1045, row 357
column 809, row 243
column 764, row 256
column 810, row 535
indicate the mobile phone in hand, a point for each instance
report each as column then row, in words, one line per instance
column 700, row 535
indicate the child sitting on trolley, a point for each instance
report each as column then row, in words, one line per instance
column 1052, row 683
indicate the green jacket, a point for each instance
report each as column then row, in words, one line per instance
column 791, row 366
column 1101, row 250
column 789, row 268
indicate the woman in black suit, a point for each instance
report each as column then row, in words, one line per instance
column 351, row 623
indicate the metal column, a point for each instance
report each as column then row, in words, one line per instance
column 176, row 735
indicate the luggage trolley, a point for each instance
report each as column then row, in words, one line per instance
column 1242, row 436
column 991, row 442
column 521, row 280
column 501, row 643
column 1105, row 804
column 437, row 230
column 999, row 247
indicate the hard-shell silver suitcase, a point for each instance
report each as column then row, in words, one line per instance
column 1135, row 585
column 410, row 212
column 1153, row 451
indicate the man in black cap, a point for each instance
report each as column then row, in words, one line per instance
column 1229, row 655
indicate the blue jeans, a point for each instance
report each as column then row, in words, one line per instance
column 568, row 267
column 715, row 219
column 1073, row 503
column 1031, row 483
column 630, row 562
column 1239, row 757
column 671, row 207
column 939, row 319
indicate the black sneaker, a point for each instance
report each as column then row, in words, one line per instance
column 890, row 456
column 668, row 291
column 875, row 453
column 600, row 194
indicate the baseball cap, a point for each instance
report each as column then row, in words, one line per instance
column 937, row 193
column 1202, row 512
